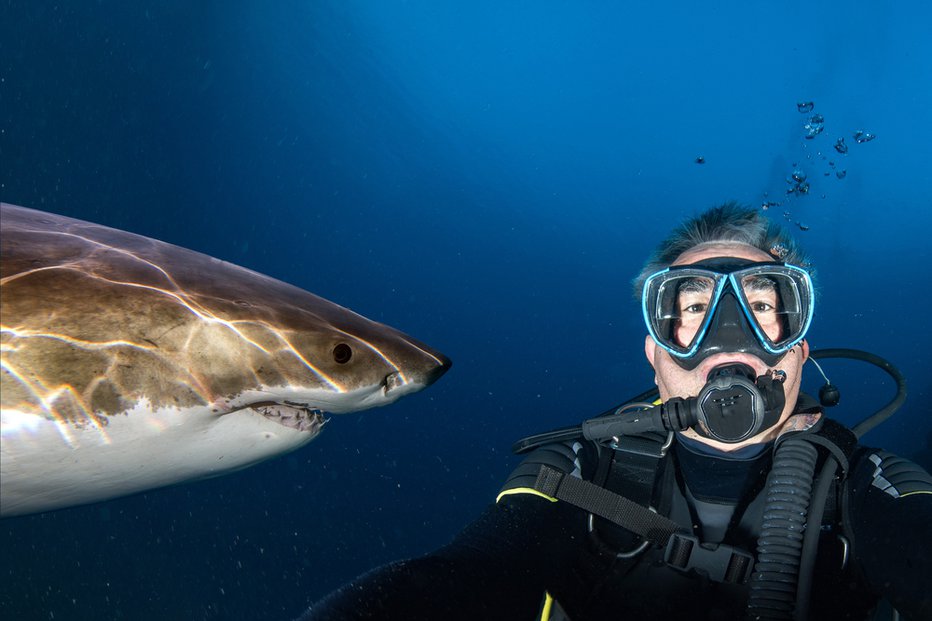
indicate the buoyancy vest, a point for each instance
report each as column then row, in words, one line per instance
column 642, row 521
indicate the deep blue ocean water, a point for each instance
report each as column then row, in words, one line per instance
column 486, row 176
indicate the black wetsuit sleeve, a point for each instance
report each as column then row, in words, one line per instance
column 498, row 567
column 890, row 514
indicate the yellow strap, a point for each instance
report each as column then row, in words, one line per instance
column 545, row 609
column 524, row 490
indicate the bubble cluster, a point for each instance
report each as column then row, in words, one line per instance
column 798, row 181
column 815, row 126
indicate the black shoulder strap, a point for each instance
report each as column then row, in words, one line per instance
column 605, row 504
column 629, row 465
column 838, row 440
column 634, row 465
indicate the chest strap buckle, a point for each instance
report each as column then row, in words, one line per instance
column 720, row 562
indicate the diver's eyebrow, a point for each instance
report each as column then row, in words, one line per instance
column 758, row 283
column 695, row 285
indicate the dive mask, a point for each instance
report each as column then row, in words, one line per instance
column 728, row 305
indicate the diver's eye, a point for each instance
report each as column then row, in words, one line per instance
column 762, row 307
column 342, row 353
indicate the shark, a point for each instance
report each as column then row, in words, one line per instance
column 130, row 364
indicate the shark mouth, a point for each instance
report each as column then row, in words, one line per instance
column 292, row 415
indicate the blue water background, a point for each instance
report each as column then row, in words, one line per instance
column 487, row 176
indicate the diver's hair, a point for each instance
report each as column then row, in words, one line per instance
column 730, row 222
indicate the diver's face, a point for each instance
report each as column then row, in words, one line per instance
column 695, row 297
column 674, row 381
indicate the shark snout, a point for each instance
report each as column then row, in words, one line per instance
column 435, row 373
column 419, row 377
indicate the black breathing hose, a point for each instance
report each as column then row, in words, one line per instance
column 886, row 411
column 820, row 493
column 779, row 547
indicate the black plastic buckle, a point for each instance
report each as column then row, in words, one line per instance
column 648, row 445
column 720, row 562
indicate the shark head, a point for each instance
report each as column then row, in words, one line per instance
column 129, row 363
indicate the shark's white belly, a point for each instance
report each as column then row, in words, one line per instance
column 47, row 464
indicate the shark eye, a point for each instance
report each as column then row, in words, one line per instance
column 342, row 353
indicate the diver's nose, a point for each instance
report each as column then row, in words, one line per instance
column 729, row 329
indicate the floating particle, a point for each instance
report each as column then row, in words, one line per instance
column 787, row 215
column 805, row 107
column 861, row 136
column 802, row 227
column 841, row 173
column 815, row 126
column 840, row 146
column 768, row 204
column 799, row 176
column 700, row 160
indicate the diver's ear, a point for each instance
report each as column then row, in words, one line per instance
column 650, row 348
column 804, row 348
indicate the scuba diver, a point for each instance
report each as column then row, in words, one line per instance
column 732, row 496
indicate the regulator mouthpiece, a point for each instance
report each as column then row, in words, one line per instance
column 733, row 406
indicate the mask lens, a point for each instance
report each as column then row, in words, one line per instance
column 678, row 306
column 778, row 302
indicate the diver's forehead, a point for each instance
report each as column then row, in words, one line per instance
column 712, row 250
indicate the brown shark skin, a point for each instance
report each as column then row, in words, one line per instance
column 95, row 319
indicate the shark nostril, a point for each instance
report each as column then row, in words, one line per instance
column 393, row 381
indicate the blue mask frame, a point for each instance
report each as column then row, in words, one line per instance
column 794, row 287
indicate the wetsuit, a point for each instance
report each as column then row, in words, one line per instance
column 525, row 545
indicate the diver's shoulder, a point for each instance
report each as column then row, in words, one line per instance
column 890, row 473
column 880, row 468
column 570, row 457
